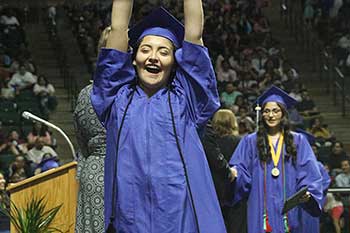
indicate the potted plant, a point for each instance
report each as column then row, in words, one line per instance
column 33, row 217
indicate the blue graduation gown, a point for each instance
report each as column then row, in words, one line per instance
column 250, row 183
column 311, row 224
column 152, row 193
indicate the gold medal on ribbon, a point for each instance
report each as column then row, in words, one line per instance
column 276, row 155
column 275, row 172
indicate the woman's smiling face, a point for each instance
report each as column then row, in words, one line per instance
column 154, row 62
column 272, row 114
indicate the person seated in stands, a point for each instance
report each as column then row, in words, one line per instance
column 36, row 154
column 243, row 116
column 14, row 144
column 224, row 73
column 19, row 170
column 259, row 60
column 307, row 106
column 247, row 83
column 46, row 94
column 38, row 130
column 239, row 102
column 337, row 155
column 321, row 132
column 3, row 143
column 343, row 179
column 22, row 79
column 5, row 59
column 271, row 67
column 23, row 57
column 247, row 68
column 244, row 129
column 9, row 18
column 334, row 208
column 228, row 97
column 289, row 78
column 5, row 202
column 7, row 92
column 265, row 81
column 295, row 92
column 343, row 48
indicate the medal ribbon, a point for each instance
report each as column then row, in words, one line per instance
column 276, row 155
column 267, row 227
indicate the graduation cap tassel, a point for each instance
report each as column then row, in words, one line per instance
column 286, row 226
column 257, row 109
column 267, row 227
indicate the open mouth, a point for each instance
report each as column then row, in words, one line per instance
column 154, row 69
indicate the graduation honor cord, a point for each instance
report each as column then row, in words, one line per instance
column 276, row 154
column 267, row 226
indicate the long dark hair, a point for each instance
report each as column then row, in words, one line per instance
column 262, row 139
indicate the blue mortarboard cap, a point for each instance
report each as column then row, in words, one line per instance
column 47, row 164
column 275, row 94
column 158, row 23
column 311, row 138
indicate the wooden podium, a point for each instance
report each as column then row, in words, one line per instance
column 59, row 186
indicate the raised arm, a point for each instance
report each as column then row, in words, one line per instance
column 118, row 37
column 194, row 21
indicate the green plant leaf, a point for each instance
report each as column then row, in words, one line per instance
column 33, row 217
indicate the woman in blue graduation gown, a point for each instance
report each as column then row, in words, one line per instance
column 157, row 178
column 273, row 164
column 311, row 224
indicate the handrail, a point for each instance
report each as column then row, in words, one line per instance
column 338, row 190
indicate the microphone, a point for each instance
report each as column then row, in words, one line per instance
column 30, row 116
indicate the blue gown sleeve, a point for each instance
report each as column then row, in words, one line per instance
column 242, row 161
column 326, row 181
column 309, row 175
column 196, row 76
column 113, row 70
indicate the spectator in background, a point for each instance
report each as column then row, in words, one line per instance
column 19, row 170
column 321, row 132
column 228, row 97
column 41, row 131
column 334, row 208
column 259, row 60
column 15, row 145
column 343, row 48
column 22, row 79
column 46, row 95
column 224, row 73
column 5, row 203
column 307, row 106
column 239, row 102
column 245, row 118
column 343, row 179
column 336, row 157
column 3, row 143
column 7, row 92
column 9, row 19
column 35, row 155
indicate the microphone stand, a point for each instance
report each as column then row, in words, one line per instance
column 28, row 115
